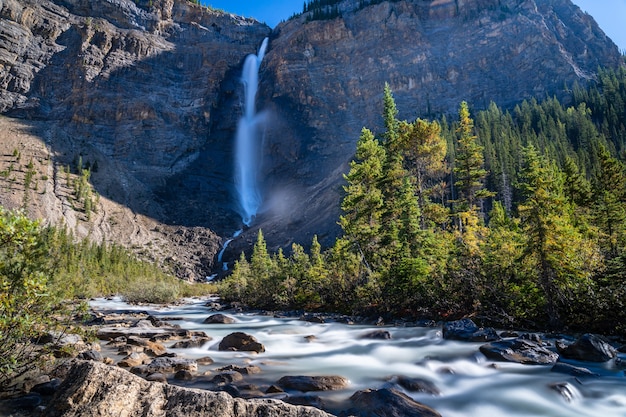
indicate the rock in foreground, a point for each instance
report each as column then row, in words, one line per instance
column 97, row 390
column 388, row 403
column 313, row 383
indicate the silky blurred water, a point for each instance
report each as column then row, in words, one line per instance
column 470, row 385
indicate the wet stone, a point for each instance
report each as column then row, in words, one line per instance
column 418, row 385
column 239, row 341
column 219, row 319
column 205, row 361
column 197, row 342
column 170, row 365
column 466, row 330
column 227, row 378
column 244, row 370
column 377, row 335
column 387, row 402
column 589, row 348
column 313, row 383
column 566, row 368
column 520, row 351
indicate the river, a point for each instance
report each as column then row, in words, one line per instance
column 469, row 384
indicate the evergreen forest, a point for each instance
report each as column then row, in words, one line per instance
column 514, row 217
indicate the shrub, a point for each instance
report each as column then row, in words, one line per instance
column 26, row 303
column 145, row 290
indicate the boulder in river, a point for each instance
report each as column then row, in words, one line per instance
column 172, row 364
column 95, row 389
column 466, row 330
column 242, row 342
column 313, row 383
column 219, row 319
column 227, row 377
column 244, row 370
column 387, row 402
column 194, row 342
column 376, row 335
column 566, row 368
column 588, row 348
column 520, row 350
column 418, row 385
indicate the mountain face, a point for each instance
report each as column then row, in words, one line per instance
column 150, row 90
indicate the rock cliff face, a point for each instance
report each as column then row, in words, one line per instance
column 133, row 87
column 323, row 80
column 150, row 90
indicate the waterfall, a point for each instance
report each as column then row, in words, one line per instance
column 248, row 149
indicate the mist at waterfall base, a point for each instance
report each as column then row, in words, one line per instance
column 248, row 152
column 469, row 384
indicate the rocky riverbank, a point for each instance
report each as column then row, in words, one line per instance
column 139, row 366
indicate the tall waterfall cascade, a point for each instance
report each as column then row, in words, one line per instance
column 248, row 152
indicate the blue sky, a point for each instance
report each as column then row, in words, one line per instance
column 610, row 14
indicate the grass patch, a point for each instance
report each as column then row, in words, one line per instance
column 86, row 269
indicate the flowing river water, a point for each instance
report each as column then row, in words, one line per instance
column 469, row 384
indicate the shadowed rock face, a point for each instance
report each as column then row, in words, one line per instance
column 135, row 86
column 151, row 90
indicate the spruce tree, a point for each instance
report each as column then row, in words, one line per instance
column 363, row 203
column 561, row 256
column 610, row 201
column 469, row 174
column 469, row 164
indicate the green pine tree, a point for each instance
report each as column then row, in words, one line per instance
column 563, row 259
column 363, row 204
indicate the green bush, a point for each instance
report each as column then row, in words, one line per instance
column 86, row 269
column 26, row 302
column 144, row 290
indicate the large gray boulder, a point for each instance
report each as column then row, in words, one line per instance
column 240, row 341
column 97, row 390
column 306, row 383
column 388, row 403
column 519, row 350
column 466, row 330
column 219, row 319
column 588, row 348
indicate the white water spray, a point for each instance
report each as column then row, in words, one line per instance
column 248, row 149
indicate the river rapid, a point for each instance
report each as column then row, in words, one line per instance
column 469, row 384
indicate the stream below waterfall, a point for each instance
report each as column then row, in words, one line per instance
column 469, row 384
